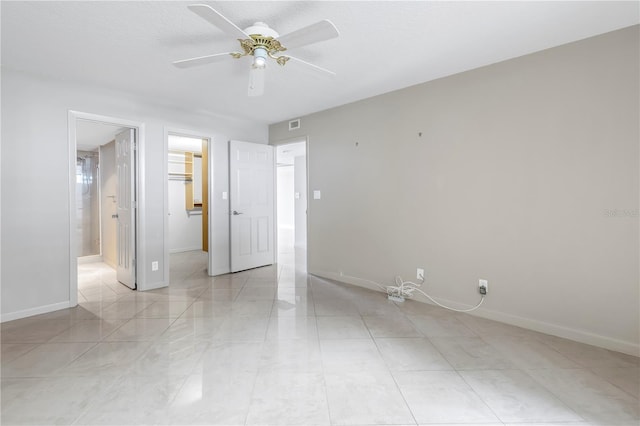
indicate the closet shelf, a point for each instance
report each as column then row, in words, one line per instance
column 181, row 176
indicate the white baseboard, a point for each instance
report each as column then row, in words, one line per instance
column 560, row 331
column 581, row 336
column 35, row 311
column 182, row 250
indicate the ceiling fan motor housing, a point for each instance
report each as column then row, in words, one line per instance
column 260, row 28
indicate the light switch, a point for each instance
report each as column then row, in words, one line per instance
column 297, row 195
column 316, row 195
column 224, row 195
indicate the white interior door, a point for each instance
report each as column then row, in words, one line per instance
column 126, row 213
column 251, row 181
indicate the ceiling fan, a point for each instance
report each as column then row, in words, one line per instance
column 262, row 43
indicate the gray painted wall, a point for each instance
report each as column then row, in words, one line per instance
column 35, row 181
column 524, row 173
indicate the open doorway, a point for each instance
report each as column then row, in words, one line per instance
column 188, row 206
column 103, row 213
column 291, row 178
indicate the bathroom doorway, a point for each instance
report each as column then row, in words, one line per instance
column 104, row 207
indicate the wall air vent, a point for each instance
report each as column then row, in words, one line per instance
column 294, row 124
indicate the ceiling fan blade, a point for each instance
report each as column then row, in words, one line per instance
column 201, row 60
column 215, row 18
column 314, row 33
column 256, row 81
column 311, row 66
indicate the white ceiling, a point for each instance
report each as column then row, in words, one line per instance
column 384, row 46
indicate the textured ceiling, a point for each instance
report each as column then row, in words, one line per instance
column 384, row 46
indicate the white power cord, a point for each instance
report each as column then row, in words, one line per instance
column 404, row 289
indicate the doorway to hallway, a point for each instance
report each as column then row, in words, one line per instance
column 291, row 183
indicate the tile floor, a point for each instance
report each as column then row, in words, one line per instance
column 274, row 346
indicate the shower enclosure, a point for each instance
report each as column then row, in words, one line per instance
column 88, row 203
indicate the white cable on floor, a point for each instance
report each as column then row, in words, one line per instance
column 405, row 289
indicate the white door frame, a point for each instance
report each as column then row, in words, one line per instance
column 73, row 117
column 196, row 135
column 290, row 141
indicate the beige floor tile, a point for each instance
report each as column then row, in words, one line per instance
column 515, row 397
column 139, row 329
column 366, row 397
column 439, row 325
column 589, row 395
column 218, row 398
column 278, row 346
column 90, row 330
column 390, row 326
column 288, row 398
column 626, row 378
column 471, row 353
column 411, row 354
column 442, row 396
column 45, row 360
column 11, row 351
column 347, row 327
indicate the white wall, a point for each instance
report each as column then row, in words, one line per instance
column 35, row 207
column 524, row 173
column 285, row 202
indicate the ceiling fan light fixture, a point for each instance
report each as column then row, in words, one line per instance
column 260, row 42
column 259, row 57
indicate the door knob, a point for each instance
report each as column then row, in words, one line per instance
column 235, row 213
column 114, row 216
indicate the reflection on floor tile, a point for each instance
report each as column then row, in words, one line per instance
column 220, row 398
column 276, row 346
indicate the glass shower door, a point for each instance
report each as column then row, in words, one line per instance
column 88, row 203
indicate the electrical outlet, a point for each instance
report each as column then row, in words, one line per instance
column 154, row 265
column 483, row 287
column 420, row 274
